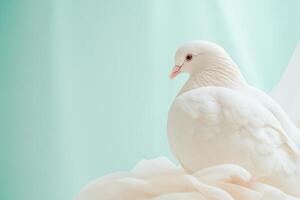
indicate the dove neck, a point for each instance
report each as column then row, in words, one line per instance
column 228, row 76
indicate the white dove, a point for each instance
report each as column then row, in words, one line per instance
column 218, row 118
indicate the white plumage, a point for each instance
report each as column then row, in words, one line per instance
column 218, row 118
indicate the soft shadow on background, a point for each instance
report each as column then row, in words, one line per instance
column 84, row 84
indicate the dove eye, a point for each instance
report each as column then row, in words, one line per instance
column 188, row 57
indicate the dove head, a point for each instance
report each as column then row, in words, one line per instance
column 194, row 57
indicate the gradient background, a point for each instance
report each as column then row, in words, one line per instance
column 85, row 88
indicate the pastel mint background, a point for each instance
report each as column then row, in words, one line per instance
column 85, row 88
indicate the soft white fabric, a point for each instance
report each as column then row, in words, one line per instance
column 159, row 179
column 287, row 91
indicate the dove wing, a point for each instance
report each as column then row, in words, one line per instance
column 225, row 126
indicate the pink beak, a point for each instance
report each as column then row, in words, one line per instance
column 175, row 71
